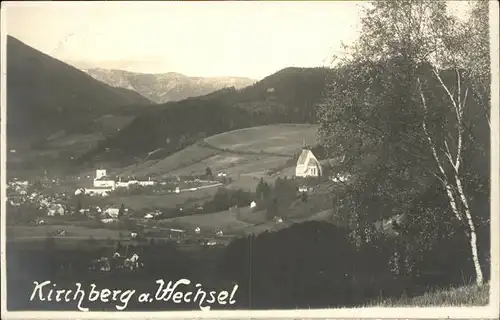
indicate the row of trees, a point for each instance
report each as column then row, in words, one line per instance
column 276, row 199
column 413, row 95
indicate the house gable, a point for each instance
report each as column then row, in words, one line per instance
column 307, row 165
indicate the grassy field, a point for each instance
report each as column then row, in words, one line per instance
column 72, row 232
column 140, row 202
column 223, row 220
column 280, row 138
column 236, row 151
column 234, row 165
column 188, row 156
column 456, row 297
column 112, row 123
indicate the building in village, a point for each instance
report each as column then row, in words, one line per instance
column 112, row 212
column 104, row 184
column 307, row 165
column 99, row 191
column 101, row 180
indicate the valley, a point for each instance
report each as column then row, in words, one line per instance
column 237, row 167
column 364, row 181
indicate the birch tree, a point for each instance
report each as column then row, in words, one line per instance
column 446, row 157
column 422, row 38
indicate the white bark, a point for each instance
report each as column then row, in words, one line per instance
column 443, row 179
column 455, row 162
column 472, row 231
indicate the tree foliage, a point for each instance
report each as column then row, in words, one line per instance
column 396, row 108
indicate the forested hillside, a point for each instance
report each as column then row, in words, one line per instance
column 288, row 96
column 46, row 95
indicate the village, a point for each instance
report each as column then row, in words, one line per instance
column 73, row 214
column 341, row 163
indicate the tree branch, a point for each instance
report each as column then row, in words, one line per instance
column 436, row 73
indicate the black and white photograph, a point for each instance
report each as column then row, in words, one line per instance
column 249, row 159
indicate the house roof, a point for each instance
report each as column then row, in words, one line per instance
column 303, row 156
column 106, row 178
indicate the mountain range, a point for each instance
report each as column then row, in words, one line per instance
column 165, row 87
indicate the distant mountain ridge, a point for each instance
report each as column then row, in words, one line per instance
column 166, row 87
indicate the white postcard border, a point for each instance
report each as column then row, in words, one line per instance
column 488, row 312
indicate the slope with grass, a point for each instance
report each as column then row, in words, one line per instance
column 465, row 296
column 245, row 153
column 209, row 222
column 279, row 139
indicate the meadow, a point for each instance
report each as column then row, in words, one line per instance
column 151, row 202
column 283, row 139
column 226, row 221
column 246, row 155
column 73, row 231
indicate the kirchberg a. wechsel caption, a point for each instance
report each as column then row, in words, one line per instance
column 182, row 291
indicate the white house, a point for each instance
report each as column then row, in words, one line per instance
column 98, row 191
column 56, row 209
column 112, row 212
column 303, row 189
column 340, row 178
column 307, row 165
column 105, row 183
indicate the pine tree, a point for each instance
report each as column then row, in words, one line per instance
column 121, row 212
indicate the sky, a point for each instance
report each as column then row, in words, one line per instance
column 248, row 39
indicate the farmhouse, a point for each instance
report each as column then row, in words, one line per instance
column 303, row 189
column 112, row 212
column 307, row 165
column 56, row 209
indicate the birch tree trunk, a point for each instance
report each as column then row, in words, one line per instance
column 453, row 186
